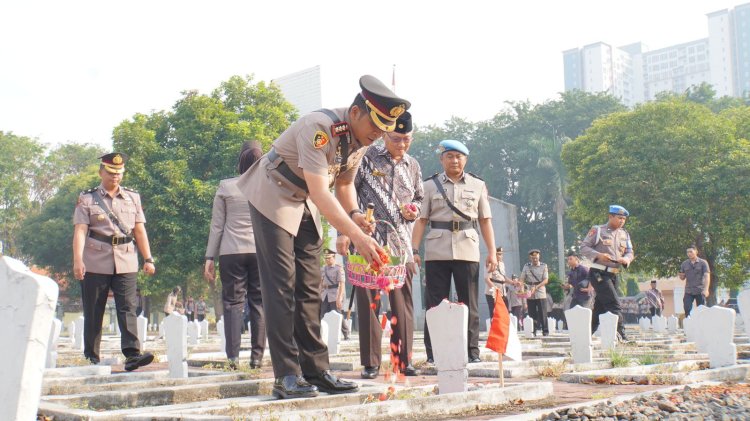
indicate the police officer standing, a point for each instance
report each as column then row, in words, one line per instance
column 231, row 240
column 455, row 205
column 288, row 189
column 608, row 246
column 108, row 225
column 391, row 180
column 333, row 286
column 536, row 275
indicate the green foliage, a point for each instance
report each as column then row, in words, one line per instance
column 177, row 159
column 632, row 287
column 684, row 174
column 554, row 287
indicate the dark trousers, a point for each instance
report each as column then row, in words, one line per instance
column 491, row 304
column 201, row 317
column 518, row 312
column 584, row 302
column 655, row 311
column 606, row 300
column 327, row 306
column 538, row 312
column 290, row 283
column 687, row 302
column 94, row 292
column 370, row 332
column 465, row 275
column 240, row 282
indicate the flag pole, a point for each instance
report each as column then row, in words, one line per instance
column 500, row 355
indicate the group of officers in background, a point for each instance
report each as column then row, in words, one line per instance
column 266, row 236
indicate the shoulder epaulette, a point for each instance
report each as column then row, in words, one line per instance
column 89, row 191
column 129, row 189
column 432, row 176
column 475, row 176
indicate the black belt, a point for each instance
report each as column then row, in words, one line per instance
column 287, row 172
column 453, row 225
column 111, row 239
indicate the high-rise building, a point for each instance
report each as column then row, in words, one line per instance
column 302, row 89
column 634, row 74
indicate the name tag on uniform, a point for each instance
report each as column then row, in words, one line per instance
column 607, row 242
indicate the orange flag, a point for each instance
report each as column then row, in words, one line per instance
column 497, row 340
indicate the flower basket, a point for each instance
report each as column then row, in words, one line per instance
column 391, row 275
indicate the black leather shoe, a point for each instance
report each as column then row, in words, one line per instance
column 255, row 363
column 290, row 387
column 430, row 361
column 92, row 360
column 475, row 360
column 410, row 371
column 231, row 364
column 136, row 361
column 370, row 372
column 328, row 383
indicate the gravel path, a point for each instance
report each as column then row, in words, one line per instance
column 724, row 402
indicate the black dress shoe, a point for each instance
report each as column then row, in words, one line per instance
column 328, row 383
column 93, row 360
column 290, row 387
column 140, row 360
column 370, row 372
column 476, row 360
column 410, row 371
column 255, row 363
column 430, row 361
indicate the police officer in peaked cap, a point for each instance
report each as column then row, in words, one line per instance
column 109, row 225
column 288, row 189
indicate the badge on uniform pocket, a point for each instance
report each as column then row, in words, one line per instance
column 100, row 217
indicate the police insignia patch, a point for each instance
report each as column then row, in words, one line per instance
column 339, row 129
column 320, row 139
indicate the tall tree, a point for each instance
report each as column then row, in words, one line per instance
column 684, row 174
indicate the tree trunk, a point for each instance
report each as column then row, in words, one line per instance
column 711, row 299
column 560, row 211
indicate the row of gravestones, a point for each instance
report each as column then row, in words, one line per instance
column 659, row 324
column 712, row 329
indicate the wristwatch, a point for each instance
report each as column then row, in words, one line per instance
column 415, row 251
column 149, row 260
column 353, row 211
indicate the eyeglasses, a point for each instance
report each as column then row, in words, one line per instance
column 399, row 139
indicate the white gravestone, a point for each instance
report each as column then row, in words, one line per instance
column 27, row 307
column 193, row 331
column 54, row 335
column 645, row 324
column 608, row 326
column 324, row 332
column 560, row 325
column 161, row 329
column 551, row 324
column 333, row 319
column 700, row 324
column 579, row 328
column 448, row 323
column 204, row 330
column 222, row 337
column 660, row 324
column 175, row 327
column 528, row 327
column 142, row 324
column 71, row 326
column 718, row 325
column 513, row 322
column 679, row 306
column 688, row 326
column 743, row 303
column 672, row 323
column 78, row 341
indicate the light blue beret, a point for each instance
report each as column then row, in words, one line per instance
column 453, row 145
column 618, row 210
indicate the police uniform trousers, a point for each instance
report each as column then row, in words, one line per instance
column 290, row 283
column 465, row 274
column 327, row 306
column 94, row 292
column 538, row 312
column 605, row 284
column 240, row 282
column 370, row 331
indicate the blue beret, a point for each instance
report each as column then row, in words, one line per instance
column 618, row 210
column 453, row 145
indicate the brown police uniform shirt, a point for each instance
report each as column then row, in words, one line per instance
column 231, row 225
column 101, row 257
column 532, row 275
column 307, row 144
column 331, row 276
column 470, row 196
column 603, row 239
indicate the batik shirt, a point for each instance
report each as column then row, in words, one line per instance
column 389, row 184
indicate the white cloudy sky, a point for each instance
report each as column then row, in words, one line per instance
column 72, row 70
